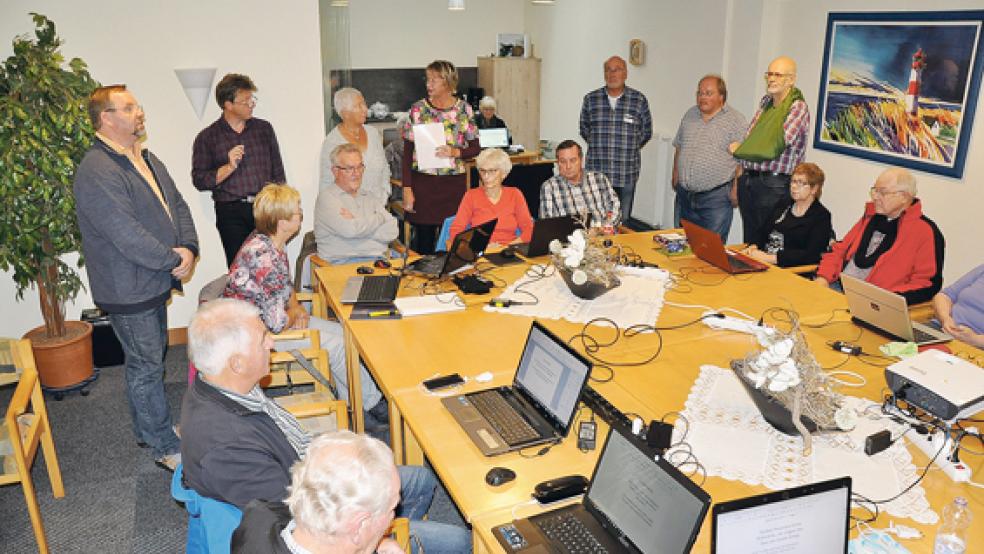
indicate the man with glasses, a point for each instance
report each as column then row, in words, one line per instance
column 893, row 246
column 139, row 241
column 235, row 157
column 773, row 146
column 704, row 171
column 349, row 225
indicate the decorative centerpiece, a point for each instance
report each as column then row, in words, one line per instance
column 790, row 388
column 585, row 264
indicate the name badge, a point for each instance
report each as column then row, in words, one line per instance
column 628, row 119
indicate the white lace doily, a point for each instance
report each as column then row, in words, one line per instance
column 638, row 300
column 732, row 440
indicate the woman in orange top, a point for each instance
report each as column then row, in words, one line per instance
column 491, row 200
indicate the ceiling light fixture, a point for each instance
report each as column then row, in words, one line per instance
column 456, row 5
column 545, row 2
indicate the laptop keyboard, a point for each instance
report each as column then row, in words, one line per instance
column 919, row 336
column 379, row 288
column 738, row 263
column 567, row 530
column 510, row 425
column 430, row 265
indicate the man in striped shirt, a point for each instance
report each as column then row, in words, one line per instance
column 576, row 191
column 616, row 124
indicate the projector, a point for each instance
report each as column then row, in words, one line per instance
column 939, row 383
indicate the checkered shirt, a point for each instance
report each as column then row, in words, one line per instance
column 261, row 163
column 615, row 137
column 704, row 161
column 593, row 194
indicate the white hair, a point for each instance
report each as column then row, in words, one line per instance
column 494, row 158
column 345, row 98
column 486, row 102
column 219, row 330
column 342, row 472
column 904, row 180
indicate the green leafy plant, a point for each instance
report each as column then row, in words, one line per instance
column 44, row 132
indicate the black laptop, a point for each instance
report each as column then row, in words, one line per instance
column 374, row 289
column 466, row 248
column 637, row 502
column 811, row 519
column 548, row 229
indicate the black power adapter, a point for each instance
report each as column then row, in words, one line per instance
column 876, row 442
column 659, row 435
column 472, row 284
column 846, row 347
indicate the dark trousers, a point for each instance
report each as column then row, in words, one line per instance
column 424, row 238
column 234, row 220
column 758, row 193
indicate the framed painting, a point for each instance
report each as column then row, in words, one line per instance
column 901, row 88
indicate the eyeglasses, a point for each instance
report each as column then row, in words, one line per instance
column 350, row 168
column 251, row 101
column 876, row 192
column 128, row 109
column 770, row 74
column 799, row 183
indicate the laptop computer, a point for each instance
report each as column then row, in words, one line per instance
column 493, row 138
column 707, row 245
column 466, row 248
column 548, row 229
column 636, row 502
column 812, row 519
column 538, row 408
column 374, row 289
column 883, row 310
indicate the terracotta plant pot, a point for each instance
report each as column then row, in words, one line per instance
column 66, row 361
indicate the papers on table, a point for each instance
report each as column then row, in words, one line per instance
column 427, row 137
column 429, row 304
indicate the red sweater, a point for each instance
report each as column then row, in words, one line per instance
column 511, row 211
column 912, row 267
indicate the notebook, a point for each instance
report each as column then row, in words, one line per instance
column 811, row 519
column 493, row 138
column 636, row 502
column 466, row 248
column 548, row 229
column 885, row 311
column 707, row 245
column 538, row 408
column 374, row 289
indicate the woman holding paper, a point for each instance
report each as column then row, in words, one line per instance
column 439, row 135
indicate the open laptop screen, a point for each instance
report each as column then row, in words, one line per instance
column 552, row 375
column 655, row 510
column 812, row 519
column 493, row 138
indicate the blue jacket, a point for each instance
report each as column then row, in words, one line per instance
column 127, row 237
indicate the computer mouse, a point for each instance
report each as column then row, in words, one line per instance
column 499, row 476
column 508, row 252
column 382, row 264
column 364, row 270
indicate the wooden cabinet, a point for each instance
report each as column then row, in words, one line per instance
column 515, row 85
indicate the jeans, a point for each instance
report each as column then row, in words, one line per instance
column 710, row 209
column 143, row 336
column 626, row 194
column 417, row 486
column 234, row 221
column 333, row 342
column 757, row 196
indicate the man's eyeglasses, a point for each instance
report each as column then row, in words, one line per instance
column 251, row 101
column 350, row 168
column 775, row 74
column 128, row 109
column 876, row 192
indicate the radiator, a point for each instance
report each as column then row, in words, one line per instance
column 654, row 195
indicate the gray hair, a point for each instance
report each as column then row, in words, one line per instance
column 345, row 98
column 904, row 180
column 486, row 102
column 342, row 472
column 493, row 158
column 344, row 148
column 218, row 331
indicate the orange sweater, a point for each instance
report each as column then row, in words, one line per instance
column 511, row 210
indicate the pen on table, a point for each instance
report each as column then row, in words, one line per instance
column 382, row 313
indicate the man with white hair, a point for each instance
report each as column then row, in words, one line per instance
column 342, row 498
column 893, row 246
column 238, row 445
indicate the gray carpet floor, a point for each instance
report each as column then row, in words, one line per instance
column 116, row 498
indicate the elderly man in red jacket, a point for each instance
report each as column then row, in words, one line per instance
column 893, row 246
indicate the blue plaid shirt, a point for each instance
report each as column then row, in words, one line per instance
column 615, row 137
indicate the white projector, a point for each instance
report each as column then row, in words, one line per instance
column 942, row 384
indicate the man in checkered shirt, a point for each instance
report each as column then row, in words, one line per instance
column 616, row 124
column 576, row 192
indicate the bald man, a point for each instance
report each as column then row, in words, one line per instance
column 774, row 145
column 616, row 124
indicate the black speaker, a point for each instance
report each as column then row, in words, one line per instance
column 106, row 349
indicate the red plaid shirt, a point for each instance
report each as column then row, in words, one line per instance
column 795, row 128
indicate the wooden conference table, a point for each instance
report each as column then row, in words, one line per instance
column 402, row 353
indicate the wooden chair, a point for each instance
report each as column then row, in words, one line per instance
column 400, row 532
column 25, row 427
column 319, row 410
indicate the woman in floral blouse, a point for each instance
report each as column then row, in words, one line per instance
column 260, row 275
column 431, row 195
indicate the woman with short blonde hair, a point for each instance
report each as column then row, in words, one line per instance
column 275, row 203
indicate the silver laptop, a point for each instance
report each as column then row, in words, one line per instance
column 637, row 502
column 887, row 312
column 493, row 138
column 538, row 408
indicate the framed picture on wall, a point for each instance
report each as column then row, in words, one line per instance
column 901, row 88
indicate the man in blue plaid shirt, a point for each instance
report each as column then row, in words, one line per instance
column 616, row 124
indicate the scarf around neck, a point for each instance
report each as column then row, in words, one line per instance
column 766, row 140
column 889, row 228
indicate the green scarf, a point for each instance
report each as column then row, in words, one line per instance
column 766, row 141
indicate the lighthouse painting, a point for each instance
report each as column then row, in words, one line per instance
column 901, row 88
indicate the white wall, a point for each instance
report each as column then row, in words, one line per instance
column 141, row 44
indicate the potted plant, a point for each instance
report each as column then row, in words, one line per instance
column 44, row 132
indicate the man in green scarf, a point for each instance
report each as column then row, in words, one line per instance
column 774, row 145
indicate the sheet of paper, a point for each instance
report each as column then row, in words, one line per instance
column 426, row 138
column 429, row 304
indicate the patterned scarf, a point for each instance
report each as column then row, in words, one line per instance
column 256, row 401
column 889, row 228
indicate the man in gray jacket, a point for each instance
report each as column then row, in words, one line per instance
column 139, row 241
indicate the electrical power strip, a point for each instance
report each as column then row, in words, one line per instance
column 930, row 444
